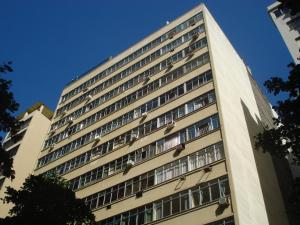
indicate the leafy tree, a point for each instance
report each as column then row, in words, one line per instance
column 47, row 201
column 7, row 121
column 284, row 138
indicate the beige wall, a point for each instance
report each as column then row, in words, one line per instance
column 27, row 155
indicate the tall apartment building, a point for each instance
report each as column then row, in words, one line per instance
column 163, row 133
column 25, row 147
column 288, row 26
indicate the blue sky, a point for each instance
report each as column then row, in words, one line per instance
column 50, row 42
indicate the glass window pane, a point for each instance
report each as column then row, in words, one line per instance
column 128, row 188
column 132, row 219
column 215, row 194
column 184, row 201
column 193, row 162
column 196, row 197
column 166, row 207
column 204, row 195
column 158, row 210
column 148, row 215
column 175, row 204
column 151, row 179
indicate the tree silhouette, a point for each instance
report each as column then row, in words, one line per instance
column 47, row 201
column 284, row 138
column 8, row 122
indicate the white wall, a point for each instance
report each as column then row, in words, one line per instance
column 239, row 114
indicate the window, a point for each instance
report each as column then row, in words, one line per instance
column 132, row 218
column 196, row 201
column 191, row 132
column 184, row 201
column 204, row 194
column 166, row 207
column 158, row 210
column 175, row 204
column 151, row 178
column 160, row 146
column 226, row 221
column 193, row 162
column 277, row 13
column 159, row 176
column 215, row 191
column 171, row 141
column 106, row 128
column 148, row 214
column 209, row 155
column 179, row 202
column 136, row 184
column 121, row 190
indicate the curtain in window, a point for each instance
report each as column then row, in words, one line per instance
column 193, row 162
column 171, row 142
column 201, row 159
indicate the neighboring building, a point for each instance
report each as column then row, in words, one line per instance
column 289, row 28
column 163, row 133
column 25, row 147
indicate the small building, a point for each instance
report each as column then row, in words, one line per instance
column 288, row 26
column 25, row 147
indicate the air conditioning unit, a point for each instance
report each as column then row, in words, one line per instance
column 69, row 132
column 170, row 64
column 134, row 137
column 63, row 113
column 207, row 169
column 223, row 201
column 192, row 22
column 85, row 89
column 97, row 137
column 139, row 194
column 51, row 146
column 94, row 155
column 144, row 114
column 180, row 147
column 171, row 124
column 147, row 78
column 195, row 35
column 129, row 164
column 171, row 34
column 172, row 49
column 70, row 120
column 88, row 98
column 189, row 52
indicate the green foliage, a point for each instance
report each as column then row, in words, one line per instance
column 7, row 121
column 284, row 138
column 47, row 201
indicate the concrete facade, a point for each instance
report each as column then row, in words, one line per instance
column 289, row 28
column 25, row 150
column 163, row 133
